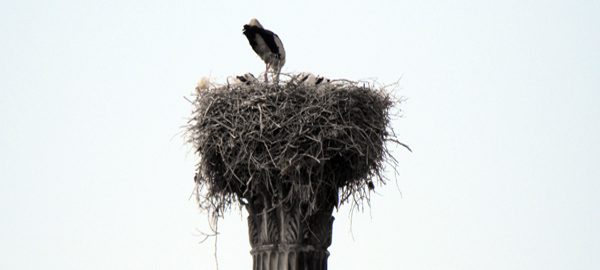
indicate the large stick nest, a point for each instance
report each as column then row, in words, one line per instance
column 309, row 140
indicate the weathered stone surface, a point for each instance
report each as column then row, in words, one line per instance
column 284, row 237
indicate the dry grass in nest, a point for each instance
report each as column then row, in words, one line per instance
column 310, row 140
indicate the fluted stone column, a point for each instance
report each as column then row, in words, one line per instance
column 284, row 237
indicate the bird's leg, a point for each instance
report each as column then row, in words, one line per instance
column 267, row 70
column 266, row 79
column 276, row 76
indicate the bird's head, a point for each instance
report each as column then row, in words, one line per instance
column 254, row 22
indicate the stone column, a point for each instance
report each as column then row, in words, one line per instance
column 284, row 237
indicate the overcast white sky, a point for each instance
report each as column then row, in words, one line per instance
column 502, row 116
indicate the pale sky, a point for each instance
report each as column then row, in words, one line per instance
column 502, row 116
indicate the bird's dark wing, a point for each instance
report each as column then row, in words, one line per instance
column 269, row 38
column 250, row 31
column 319, row 80
column 242, row 79
column 303, row 78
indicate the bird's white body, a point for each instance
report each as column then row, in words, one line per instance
column 308, row 78
column 267, row 45
column 245, row 79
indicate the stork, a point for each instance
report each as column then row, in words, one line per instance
column 267, row 45
column 245, row 79
column 308, row 78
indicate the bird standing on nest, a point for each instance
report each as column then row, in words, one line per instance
column 267, row 45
